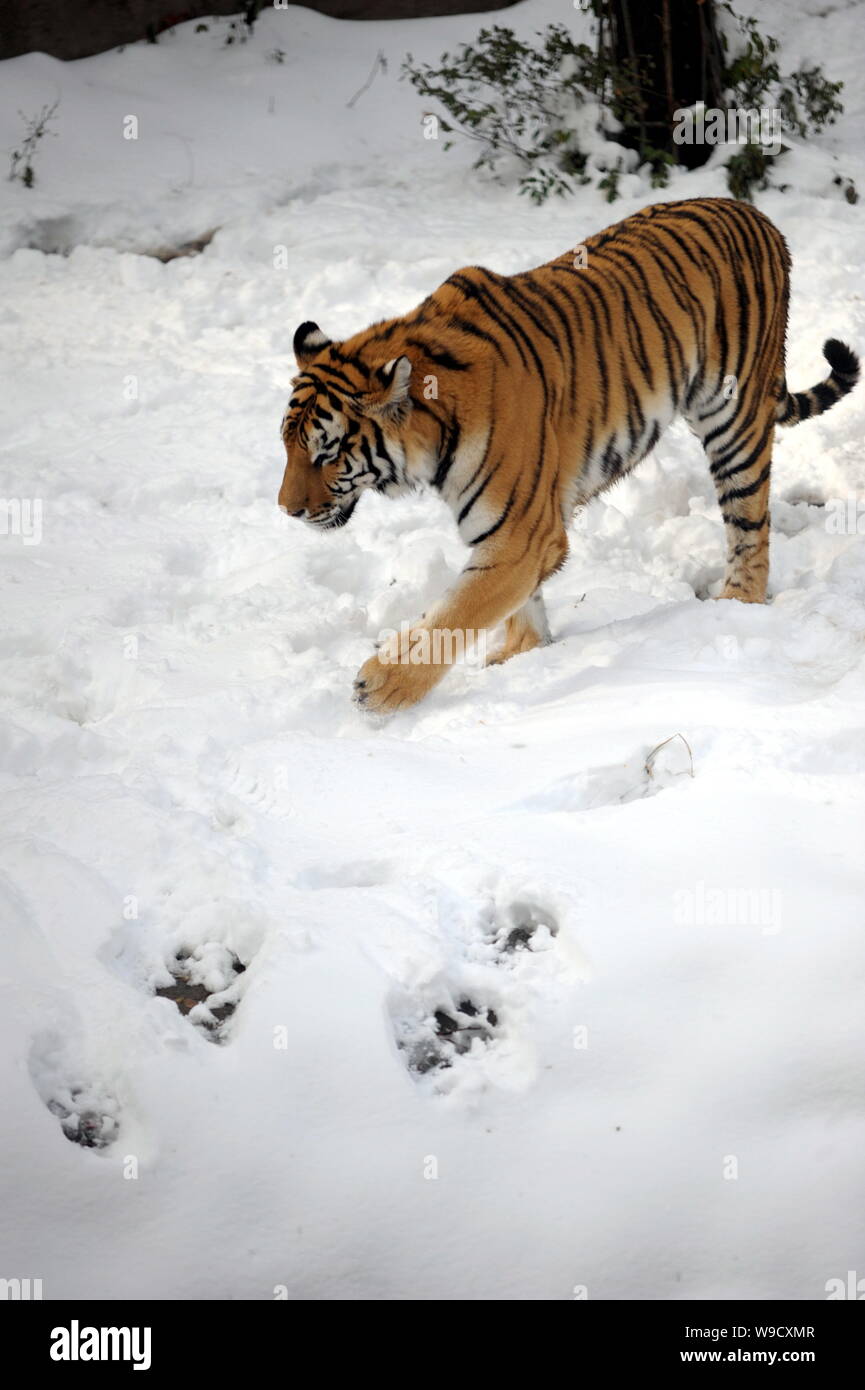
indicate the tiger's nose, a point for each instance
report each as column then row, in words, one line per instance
column 302, row 511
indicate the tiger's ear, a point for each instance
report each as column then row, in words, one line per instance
column 309, row 341
column 389, row 396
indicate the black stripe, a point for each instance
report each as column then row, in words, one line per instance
column 736, row 493
column 502, row 519
column 475, row 495
column 439, row 356
column 730, row 451
column 447, row 457
column 825, row 396
column 482, row 297
column 665, row 328
column 554, row 307
column 741, row 523
column 505, row 286
column 466, row 326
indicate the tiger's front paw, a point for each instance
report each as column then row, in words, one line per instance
column 385, row 684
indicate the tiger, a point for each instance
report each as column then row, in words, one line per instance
column 518, row 398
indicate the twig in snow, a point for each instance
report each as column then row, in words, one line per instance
column 35, row 128
column 651, row 758
column 380, row 62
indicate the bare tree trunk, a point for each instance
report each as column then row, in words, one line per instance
column 671, row 53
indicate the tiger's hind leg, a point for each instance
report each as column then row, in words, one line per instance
column 524, row 630
column 740, row 458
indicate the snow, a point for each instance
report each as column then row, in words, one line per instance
column 657, row 1088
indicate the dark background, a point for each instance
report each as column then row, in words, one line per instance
column 77, row 28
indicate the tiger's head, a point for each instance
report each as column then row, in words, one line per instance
column 341, row 430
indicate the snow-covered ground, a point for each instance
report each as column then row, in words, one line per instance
column 655, row 1088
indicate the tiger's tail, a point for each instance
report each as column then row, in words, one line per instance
column 801, row 405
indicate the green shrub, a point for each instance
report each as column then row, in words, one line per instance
column 540, row 105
